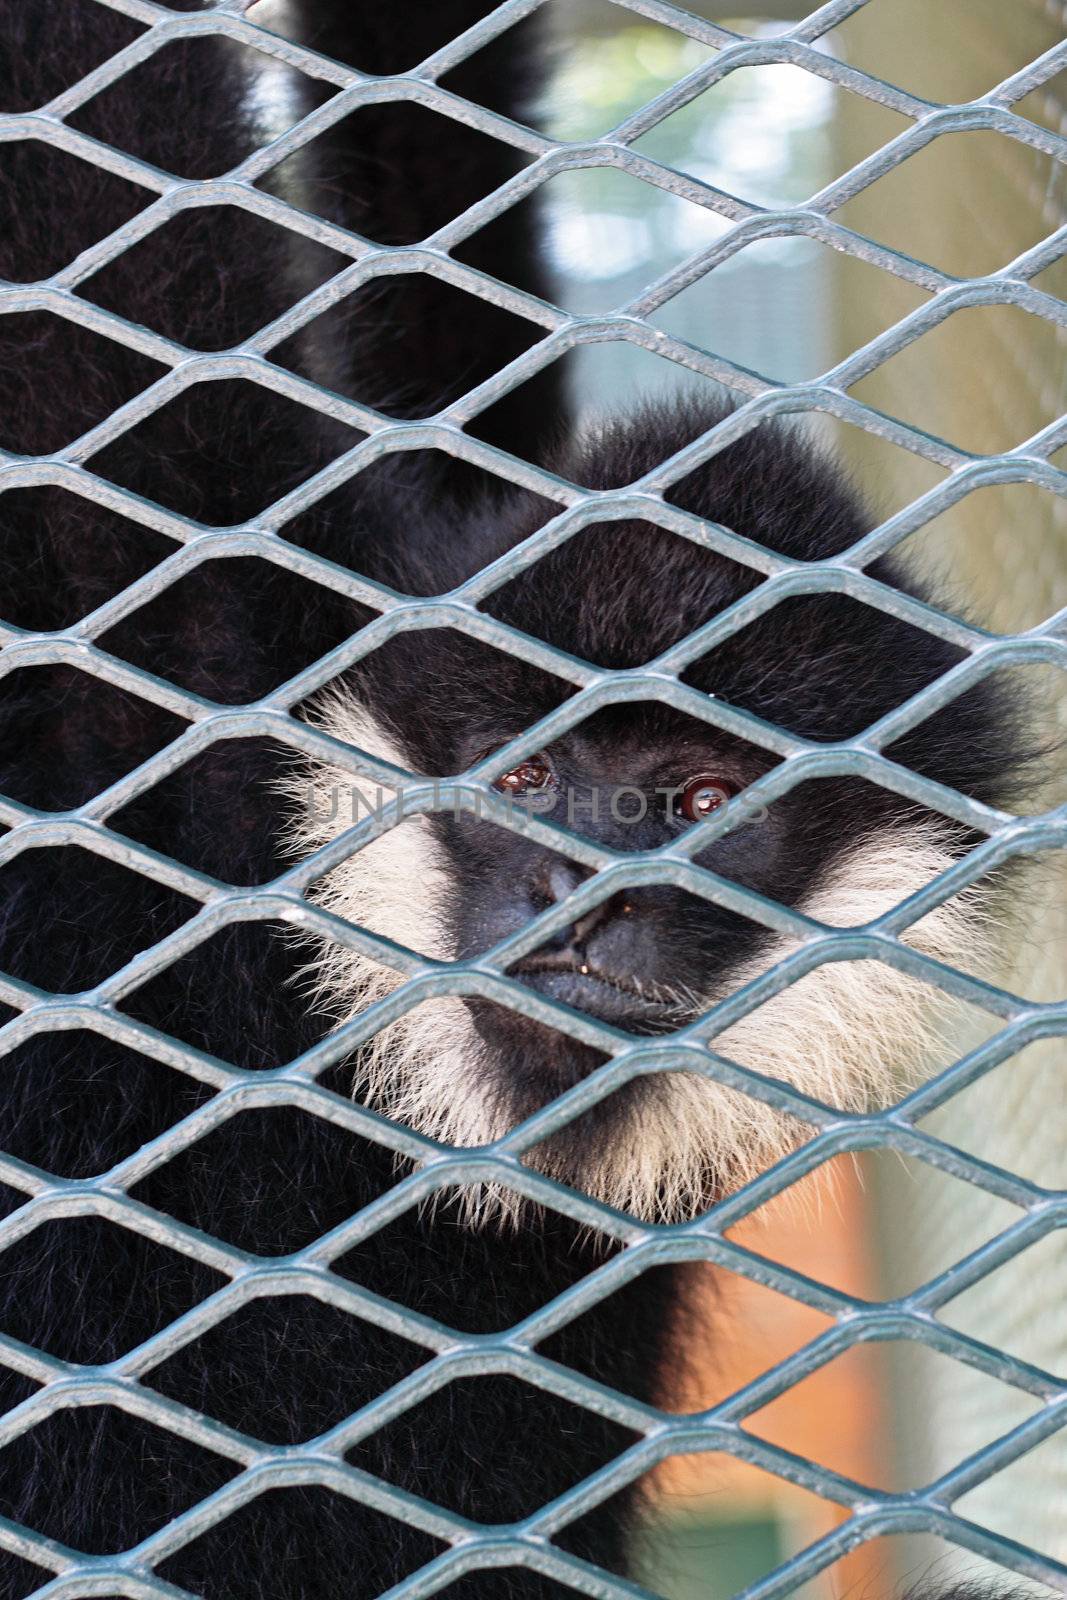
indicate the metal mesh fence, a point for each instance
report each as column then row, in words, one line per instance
column 1017, row 1022
column 1003, row 1117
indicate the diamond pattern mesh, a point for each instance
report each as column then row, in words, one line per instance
column 226, row 1278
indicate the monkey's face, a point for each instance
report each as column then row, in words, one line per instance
column 643, row 958
column 648, row 960
column 645, row 961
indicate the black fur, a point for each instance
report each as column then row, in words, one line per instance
column 823, row 667
column 85, row 1289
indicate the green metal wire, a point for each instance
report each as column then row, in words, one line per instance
column 451, row 1355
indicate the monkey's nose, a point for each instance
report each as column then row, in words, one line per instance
column 561, row 879
column 558, row 879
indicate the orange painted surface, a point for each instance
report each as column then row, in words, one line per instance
column 837, row 1416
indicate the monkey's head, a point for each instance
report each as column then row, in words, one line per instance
column 636, row 773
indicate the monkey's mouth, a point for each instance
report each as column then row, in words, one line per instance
column 603, row 996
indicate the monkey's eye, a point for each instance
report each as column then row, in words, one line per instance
column 529, row 777
column 701, row 796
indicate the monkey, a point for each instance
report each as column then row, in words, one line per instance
column 112, row 1236
column 650, row 959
